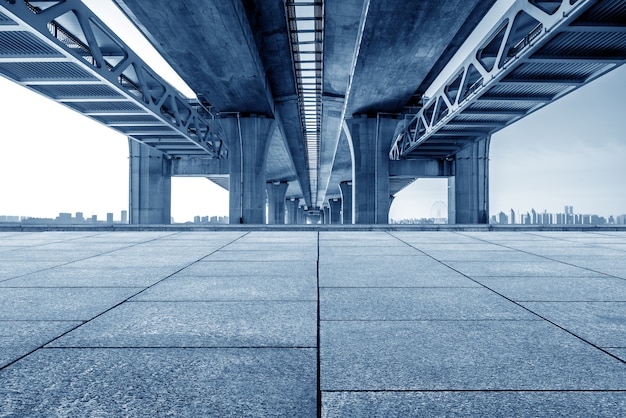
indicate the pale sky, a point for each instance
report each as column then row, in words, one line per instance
column 572, row 152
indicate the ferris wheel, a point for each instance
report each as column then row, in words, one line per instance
column 439, row 212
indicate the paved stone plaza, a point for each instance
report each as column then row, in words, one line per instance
column 296, row 323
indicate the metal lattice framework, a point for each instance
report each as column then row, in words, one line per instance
column 306, row 27
column 536, row 53
column 62, row 50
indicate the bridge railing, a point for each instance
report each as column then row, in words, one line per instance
column 516, row 35
column 112, row 84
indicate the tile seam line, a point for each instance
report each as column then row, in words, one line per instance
column 118, row 304
column 475, row 390
column 87, row 258
column 318, row 334
column 225, row 301
column 519, row 305
column 432, row 320
column 181, row 347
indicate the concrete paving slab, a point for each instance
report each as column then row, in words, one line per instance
column 411, row 304
column 96, row 247
column 5, row 248
column 199, row 235
column 200, row 324
column 125, row 236
column 59, row 304
column 207, row 267
column 161, row 382
column 70, row 276
column 619, row 352
column 461, row 355
column 426, row 237
column 607, row 246
column 615, row 272
column 601, row 323
column 519, row 268
column 484, row 256
column 560, row 249
column 31, row 239
column 348, row 236
column 9, row 270
column 387, row 241
column 262, row 255
column 546, row 288
column 160, row 253
column 469, row 404
column 350, row 251
column 41, row 254
column 282, row 247
column 465, row 246
column 277, row 237
column 388, row 271
column 18, row 338
column 134, row 262
column 596, row 262
column 233, row 288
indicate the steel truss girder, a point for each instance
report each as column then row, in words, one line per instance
column 505, row 51
column 62, row 50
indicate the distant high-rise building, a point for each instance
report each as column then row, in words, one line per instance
column 124, row 217
column 79, row 217
column 109, row 218
column 512, row 216
column 534, row 218
column 502, row 218
column 64, row 217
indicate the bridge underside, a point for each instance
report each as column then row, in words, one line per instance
column 313, row 102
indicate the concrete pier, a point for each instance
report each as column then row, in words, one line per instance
column 339, row 322
column 249, row 142
column 468, row 189
column 371, row 139
column 335, row 211
column 150, row 185
column 346, row 202
column 276, row 202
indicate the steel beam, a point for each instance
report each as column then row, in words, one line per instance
column 529, row 48
column 62, row 50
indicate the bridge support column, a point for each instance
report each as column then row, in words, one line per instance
column 346, row 202
column 371, row 140
column 301, row 217
column 150, row 186
column 468, row 189
column 276, row 192
column 249, row 139
column 335, row 211
column 292, row 211
column 326, row 215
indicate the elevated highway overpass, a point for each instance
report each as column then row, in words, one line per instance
column 316, row 105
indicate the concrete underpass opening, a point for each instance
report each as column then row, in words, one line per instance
column 423, row 201
column 198, row 200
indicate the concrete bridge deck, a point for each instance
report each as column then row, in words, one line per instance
column 301, row 323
